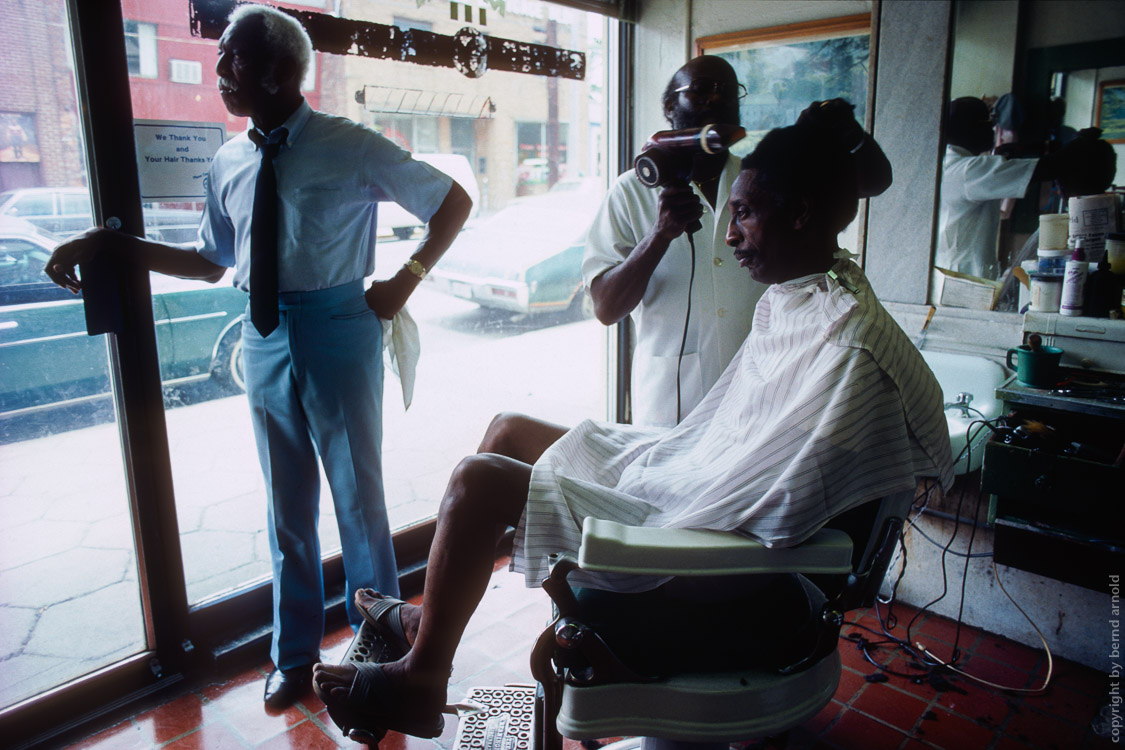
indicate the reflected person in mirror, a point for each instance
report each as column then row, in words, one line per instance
column 975, row 182
column 826, row 405
column 295, row 195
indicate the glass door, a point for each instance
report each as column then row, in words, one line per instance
column 105, row 578
column 503, row 319
column 70, row 600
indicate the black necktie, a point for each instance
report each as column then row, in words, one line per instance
column 263, row 235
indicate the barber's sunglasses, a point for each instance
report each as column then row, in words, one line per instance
column 708, row 87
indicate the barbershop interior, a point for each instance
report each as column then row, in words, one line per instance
column 978, row 608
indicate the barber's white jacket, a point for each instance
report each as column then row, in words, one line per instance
column 972, row 188
column 723, row 297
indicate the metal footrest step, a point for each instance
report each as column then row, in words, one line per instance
column 497, row 718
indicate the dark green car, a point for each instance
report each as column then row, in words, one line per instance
column 46, row 357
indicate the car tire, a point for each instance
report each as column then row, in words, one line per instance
column 403, row 233
column 227, row 368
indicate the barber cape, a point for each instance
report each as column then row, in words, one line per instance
column 826, row 405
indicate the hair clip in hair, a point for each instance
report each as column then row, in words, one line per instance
column 843, row 282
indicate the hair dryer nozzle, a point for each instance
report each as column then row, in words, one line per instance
column 667, row 157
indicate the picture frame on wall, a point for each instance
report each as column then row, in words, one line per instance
column 785, row 68
column 1110, row 116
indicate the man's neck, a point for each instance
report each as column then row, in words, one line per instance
column 274, row 116
column 705, row 173
column 821, row 257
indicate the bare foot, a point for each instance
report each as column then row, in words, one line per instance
column 412, row 694
column 410, row 613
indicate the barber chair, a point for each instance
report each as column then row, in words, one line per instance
column 612, row 665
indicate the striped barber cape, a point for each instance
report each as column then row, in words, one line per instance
column 827, row 405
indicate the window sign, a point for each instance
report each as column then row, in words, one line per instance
column 173, row 157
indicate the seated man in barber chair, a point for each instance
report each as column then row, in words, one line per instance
column 826, row 406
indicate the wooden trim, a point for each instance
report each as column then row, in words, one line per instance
column 70, row 710
column 828, row 27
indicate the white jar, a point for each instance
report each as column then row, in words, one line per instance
column 1046, row 292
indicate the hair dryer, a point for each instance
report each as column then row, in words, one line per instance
column 667, row 157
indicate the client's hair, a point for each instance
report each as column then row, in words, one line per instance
column 800, row 162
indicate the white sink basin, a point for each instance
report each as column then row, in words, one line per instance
column 979, row 377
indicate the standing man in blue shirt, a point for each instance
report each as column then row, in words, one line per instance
column 312, row 339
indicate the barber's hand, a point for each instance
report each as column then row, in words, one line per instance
column 61, row 266
column 679, row 207
column 386, row 298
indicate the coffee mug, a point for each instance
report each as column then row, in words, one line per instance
column 1036, row 367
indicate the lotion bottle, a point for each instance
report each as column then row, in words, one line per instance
column 1074, row 281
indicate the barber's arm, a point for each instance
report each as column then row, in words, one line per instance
column 387, row 297
column 171, row 259
column 620, row 289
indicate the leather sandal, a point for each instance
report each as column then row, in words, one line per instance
column 373, row 706
column 385, row 616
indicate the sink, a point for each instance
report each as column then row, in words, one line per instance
column 979, row 377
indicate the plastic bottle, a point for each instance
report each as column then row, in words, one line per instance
column 1103, row 291
column 1074, row 281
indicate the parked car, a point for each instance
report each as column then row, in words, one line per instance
column 66, row 210
column 526, row 258
column 396, row 220
column 47, row 359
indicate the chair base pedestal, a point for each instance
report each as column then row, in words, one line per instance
column 701, row 708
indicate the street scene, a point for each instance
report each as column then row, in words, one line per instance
column 57, row 519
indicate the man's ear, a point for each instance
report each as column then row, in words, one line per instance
column 800, row 212
column 285, row 71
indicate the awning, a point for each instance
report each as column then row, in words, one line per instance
column 418, row 102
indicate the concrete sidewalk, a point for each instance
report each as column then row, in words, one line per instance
column 66, row 544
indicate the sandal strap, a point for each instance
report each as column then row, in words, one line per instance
column 386, row 615
column 369, row 681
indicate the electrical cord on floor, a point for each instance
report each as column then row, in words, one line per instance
column 928, row 664
column 1047, row 649
column 687, row 318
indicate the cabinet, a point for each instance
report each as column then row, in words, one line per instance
column 1058, row 500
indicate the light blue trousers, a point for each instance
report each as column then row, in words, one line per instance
column 315, row 386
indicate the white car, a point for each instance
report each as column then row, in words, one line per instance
column 527, row 257
column 66, row 210
column 396, row 220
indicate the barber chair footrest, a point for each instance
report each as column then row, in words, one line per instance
column 496, row 718
column 369, row 646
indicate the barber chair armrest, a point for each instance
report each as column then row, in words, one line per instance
column 610, row 547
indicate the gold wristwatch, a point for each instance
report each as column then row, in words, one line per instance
column 415, row 267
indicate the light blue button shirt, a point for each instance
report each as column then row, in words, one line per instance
column 330, row 175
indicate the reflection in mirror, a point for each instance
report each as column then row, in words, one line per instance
column 1015, row 103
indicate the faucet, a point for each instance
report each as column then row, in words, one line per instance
column 961, row 402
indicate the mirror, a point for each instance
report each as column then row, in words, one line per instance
column 1066, row 54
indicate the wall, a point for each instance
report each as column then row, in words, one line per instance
column 667, row 30
column 985, row 50
column 912, row 51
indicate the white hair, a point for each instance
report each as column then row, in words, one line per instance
column 286, row 38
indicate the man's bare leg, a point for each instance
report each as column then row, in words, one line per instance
column 485, row 495
column 509, row 434
column 519, row 436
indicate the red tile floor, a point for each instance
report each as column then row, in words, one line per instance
column 896, row 713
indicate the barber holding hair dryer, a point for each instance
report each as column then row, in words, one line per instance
column 660, row 256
